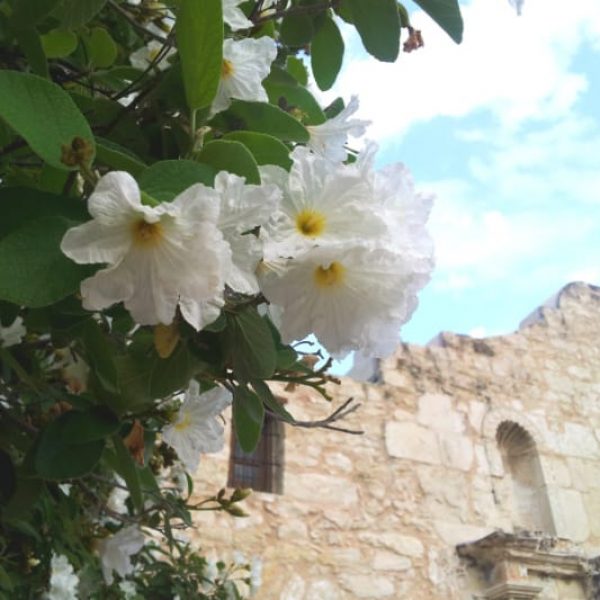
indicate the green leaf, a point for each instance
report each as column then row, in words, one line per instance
column 266, row 118
column 19, row 206
column 326, row 54
column 250, row 345
column 229, row 156
column 128, row 469
column 166, row 179
column 296, row 30
column 59, row 43
column 199, row 32
column 378, row 24
column 31, row 44
column 42, row 113
column 100, row 356
column 5, row 581
column 296, row 68
column 101, row 48
column 8, row 477
column 446, row 13
column 74, row 13
column 57, row 457
column 266, row 149
column 25, row 497
column 96, row 423
column 29, row 12
column 248, row 415
column 33, row 270
column 265, row 394
column 117, row 157
column 298, row 97
column 173, row 373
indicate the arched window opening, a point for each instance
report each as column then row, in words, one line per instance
column 530, row 509
column 261, row 470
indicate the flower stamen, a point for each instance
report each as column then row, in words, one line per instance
column 310, row 223
column 227, row 69
column 184, row 423
column 332, row 276
column 147, row 234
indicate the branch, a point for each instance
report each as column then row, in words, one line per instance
column 295, row 10
column 129, row 17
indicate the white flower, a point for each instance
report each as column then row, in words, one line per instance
column 245, row 64
column 63, row 581
column 116, row 552
column 255, row 575
column 158, row 257
column 329, row 138
column 234, row 16
column 143, row 57
column 13, row 334
column 195, row 429
column 347, row 296
column 73, row 370
column 322, row 203
column 128, row 589
column 242, row 209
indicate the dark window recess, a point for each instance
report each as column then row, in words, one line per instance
column 261, row 470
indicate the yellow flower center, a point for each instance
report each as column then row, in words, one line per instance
column 332, row 276
column 226, row 69
column 310, row 223
column 147, row 234
column 185, row 422
column 153, row 53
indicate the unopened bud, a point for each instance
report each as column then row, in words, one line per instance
column 240, row 494
column 166, row 338
column 78, row 153
column 236, row 511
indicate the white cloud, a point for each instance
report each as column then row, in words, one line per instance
column 516, row 67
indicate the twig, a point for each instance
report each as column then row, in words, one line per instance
column 129, row 17
column 295, row 10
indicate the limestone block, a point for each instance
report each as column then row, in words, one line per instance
column 317, row 488
column 321, row 590
column 556, row 472
column 476, row 413
column 585, row 474
column 447, row 490
column 592, row 503
column 456, row 451
column 411, row 441
column 388, row 561
column 367, row 586
column 339, row 461
column 579, row 440
column 569, row 514
column 459, row 533
column 437, row 412
column 294, row 589
column 401, row 544
column 292, row 530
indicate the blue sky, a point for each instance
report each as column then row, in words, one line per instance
column 505, row 130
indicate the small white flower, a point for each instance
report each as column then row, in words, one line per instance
column 346, row 296
column 256, row 567
column 158, row 257
column 246, row 63
column 329, row 138
column 195, row 429
column 65, row 488
column 128, row 589
column 63, row 581
column 116, row 552
column 73, row 370
column 322, row 203
column 13, row 334
column 244, row 208
column 143, row 57
column 234, row 16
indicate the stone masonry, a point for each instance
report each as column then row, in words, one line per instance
column 468, row 445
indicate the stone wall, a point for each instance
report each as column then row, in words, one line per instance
column 380, row 515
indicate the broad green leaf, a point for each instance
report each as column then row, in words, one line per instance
column 42, row 113
column 58, row 457
column 250, row 345
column 446, row 13
column 199, row 32
column 100, row 356
column 166, row 179
column 59, row 43
column 33, row 270
column 26, row 495
column 266, row 118
column 296, row 68
column 31, row 44
column 19, row 206
column 265, row 394
column 173, row 373
column 266, row 149
column 8, row 477
column 74, row 13
column 326, row 54
column 119, row 158
column 232, row 157
column 96, row 423
column 101, row 48
column 29, row 12
column 378, row 24
column 296, row 30
column 128, row 469
column 5, row 581
column 248, row 415
column 296, row 97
